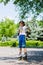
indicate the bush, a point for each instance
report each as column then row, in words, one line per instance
column 29, row 43
column 34, row 44
column 8, row 43
column 14, row 44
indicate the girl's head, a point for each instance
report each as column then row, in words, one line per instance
column 22, row 23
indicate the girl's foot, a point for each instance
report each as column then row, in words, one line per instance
column 20, row 57
column 25, row 56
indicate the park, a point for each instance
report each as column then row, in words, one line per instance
column 11, row 13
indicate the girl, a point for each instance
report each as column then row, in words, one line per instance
column 22, row 40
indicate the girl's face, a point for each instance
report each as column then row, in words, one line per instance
column 21, row 24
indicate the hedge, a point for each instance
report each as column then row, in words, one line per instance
column 8, row 43
column 29, row 43
column 34, row 44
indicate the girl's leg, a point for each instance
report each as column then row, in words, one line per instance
column 20, row 50
column 25, row 50
column 20, row 44
column 25, row 53
column 20, row 53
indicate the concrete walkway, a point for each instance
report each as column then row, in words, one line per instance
column 9, row 56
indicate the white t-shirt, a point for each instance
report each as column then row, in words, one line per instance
column 22, row 30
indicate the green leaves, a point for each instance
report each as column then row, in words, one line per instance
column 7, row 27
column 16, row 1
column 40, row 23
column 1, row 1
column 4, row 1
column 27, row 5
column 36, row 28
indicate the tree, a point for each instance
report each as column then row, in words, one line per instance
column 7, row 28
column 35, row 29
column 26, row 6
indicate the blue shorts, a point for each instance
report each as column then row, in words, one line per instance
column 22, row 41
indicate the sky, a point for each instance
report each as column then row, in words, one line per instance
column 9, row 11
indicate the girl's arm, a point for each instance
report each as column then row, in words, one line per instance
column 18, row 31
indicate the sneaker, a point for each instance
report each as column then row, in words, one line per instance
column 20, row 56
column 25, row 56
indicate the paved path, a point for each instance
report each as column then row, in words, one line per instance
column 8, row 56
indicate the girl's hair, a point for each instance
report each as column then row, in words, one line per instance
column 22, row 22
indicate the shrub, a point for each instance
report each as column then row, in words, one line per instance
column 8, row 43
column 34, row 44
column 14, row 44
column 29, row 43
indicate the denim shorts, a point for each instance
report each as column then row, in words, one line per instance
column 22, row 41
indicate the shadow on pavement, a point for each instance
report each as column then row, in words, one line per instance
column 35, row 56
column 32, row 57
column 8, row 58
